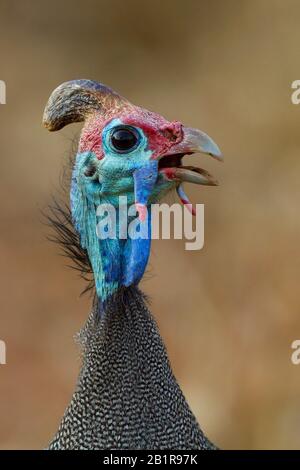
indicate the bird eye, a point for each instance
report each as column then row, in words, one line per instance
column 124, row 139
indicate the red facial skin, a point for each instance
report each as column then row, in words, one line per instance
column 161, row 134
column 169, row 173
column 90, row 139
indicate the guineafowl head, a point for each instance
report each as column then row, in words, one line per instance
column 127, row 156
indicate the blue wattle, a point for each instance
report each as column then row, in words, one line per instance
column 136, row 254
column 144, row 180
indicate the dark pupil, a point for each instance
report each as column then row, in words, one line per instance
column 123, row 139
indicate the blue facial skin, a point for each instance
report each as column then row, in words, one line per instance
column 116, row 262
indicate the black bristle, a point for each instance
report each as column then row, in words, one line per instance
column 59, row 218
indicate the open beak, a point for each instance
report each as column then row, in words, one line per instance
column 194, row 141
column 171, row 168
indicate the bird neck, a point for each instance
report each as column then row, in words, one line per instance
column 127, row 396
column 117, row 243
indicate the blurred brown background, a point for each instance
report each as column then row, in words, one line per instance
column 228, row 313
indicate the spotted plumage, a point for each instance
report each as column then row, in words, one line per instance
column 127, row 396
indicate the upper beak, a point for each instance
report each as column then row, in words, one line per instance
column 194, row 141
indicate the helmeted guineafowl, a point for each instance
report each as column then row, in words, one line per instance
column 127, row 396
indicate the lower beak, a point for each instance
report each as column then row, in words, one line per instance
column 190, row 174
